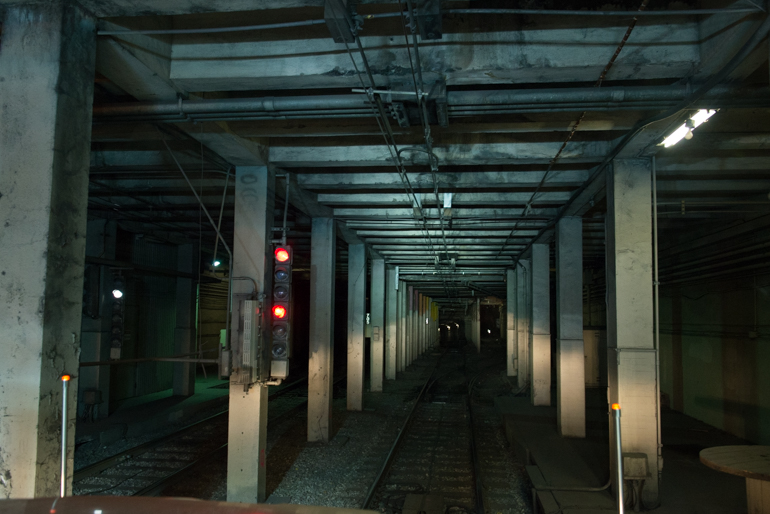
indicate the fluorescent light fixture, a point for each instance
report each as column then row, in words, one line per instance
column 685, row 130
column 216, row 263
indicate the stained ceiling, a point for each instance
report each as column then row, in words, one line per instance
column 447, row 136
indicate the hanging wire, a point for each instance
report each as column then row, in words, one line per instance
column 528, row 207
column 419, row 89
column 384, row 126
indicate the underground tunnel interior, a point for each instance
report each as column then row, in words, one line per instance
column 538, row 208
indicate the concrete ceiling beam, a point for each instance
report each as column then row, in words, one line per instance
column 727, row 185
column 408, row 245
column 458, row 199
column 454, row 180
column 307, row 203
column 390, row 213
column 468, row 155
column 451, row 234
column 668, row 163
column 139, row 64
column 458, row 224
column 542, row 54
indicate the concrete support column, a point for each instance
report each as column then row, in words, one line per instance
column 321, row 344
column 96, row 327
column 570, row 358
column 510, row 323
column 416, row 324
column 356, row 321
column 391, row 325
column 420, row 324
column 437, row 326
column 540, row 326
column 431, row 328
column 632, row 365
column 425, row 323
column 523, row 312
column 410, row 325
column 429, row 325
column 47, row 54
column 477, row 324
column 252, row 257
column 184, row 333
column 402, row 325
column 377, row 302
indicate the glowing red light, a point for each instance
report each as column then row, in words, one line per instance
column 65, row 378
column 279, row 311
column 281, row 254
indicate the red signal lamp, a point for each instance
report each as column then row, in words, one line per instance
column 281, row 254
column 279, row 311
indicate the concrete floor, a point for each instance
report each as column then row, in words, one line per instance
column 687, row 487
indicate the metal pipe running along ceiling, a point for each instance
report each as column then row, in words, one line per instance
column 459, row 103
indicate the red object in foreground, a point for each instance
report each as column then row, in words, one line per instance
column 281, row 254
column 279, row 311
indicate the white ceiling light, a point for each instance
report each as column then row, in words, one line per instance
column 685, row 130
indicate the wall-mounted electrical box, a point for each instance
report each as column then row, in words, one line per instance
column 246, row 342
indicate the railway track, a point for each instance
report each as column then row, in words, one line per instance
column 451, row 455
column 148, row 469
column 432, row 464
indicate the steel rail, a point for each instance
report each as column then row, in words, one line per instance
column 474, row 453
column 160, row 485
column 397, row 443
column 98, row 467
column 432, row 379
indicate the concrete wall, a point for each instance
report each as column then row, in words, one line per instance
column 212, row 317
column 473, row 325
column 150, row 319
column 715, row 353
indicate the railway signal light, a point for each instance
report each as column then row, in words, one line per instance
column 118, row 317
column 282, row 307
column 282, row 254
